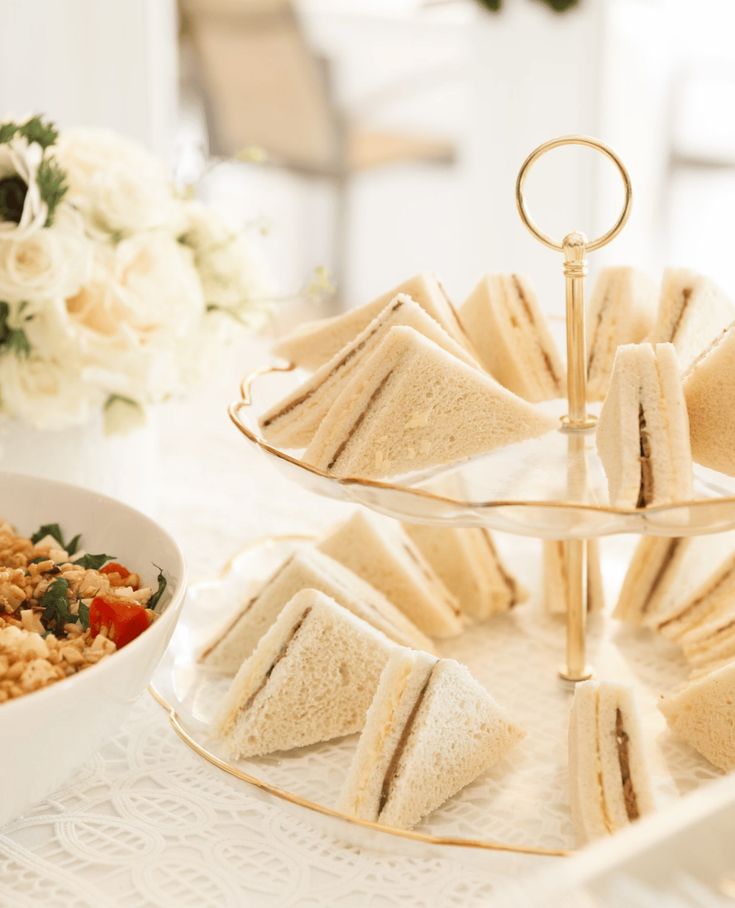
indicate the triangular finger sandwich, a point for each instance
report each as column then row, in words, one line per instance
column 293, row 421
column 410, row 406
column 712, row 643
column 643, row 429
column 306, row 568
column 510, row 333
column 622, row 310
column 713, row 598
column 315, row 343
column 556, row 579
column 311, row 678
column 470, row 566
column 703, row 715
column 692, row 312
column 665, row 572
column 709, row 389
column 430, row 731
column 383, row 555
column 609, row 779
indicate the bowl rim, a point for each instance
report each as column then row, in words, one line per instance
column 172, row 609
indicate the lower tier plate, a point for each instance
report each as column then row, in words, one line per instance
column 515, row 818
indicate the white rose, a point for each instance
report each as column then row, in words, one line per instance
column 232, row 272
column 46, row 394
column 48, row 263
column 121, row 188
column 128, row 321
column 19, row 162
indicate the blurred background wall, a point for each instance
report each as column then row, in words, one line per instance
column 382, row 137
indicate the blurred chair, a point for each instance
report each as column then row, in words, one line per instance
column 264, row 87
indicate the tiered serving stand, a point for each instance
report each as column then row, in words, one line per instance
column 551, row 487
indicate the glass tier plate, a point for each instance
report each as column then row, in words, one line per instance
column 515, row 819
column 553, row 486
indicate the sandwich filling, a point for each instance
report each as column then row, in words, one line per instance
column 663, row 569
column 646, row 489
column 700, row 600
column 280, row 655
column 532, row 322
column 428, row 576
column 682, row 304
column 374, row 397
column 245, row 609
column 292, row 405
column 622, row 740
column 392, row 770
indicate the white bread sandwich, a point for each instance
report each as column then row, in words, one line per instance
column 410, row 406
column 643, row 430
column 381, row 553
column 711, row 600
column 703, row 715
column 709, row 389
column 469, row 565
column 293, row 421
column 608, row 773
column 306, row 568
column 315, row 343
column 311, row 678
column 510, row 333
column 711, row 644
column 556, row 581
column 692, row 312
column 665, row 572
column 430, row 731
column 622, row 310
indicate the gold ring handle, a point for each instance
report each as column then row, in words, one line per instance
column 587, row 142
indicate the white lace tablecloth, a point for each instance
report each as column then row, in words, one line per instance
column 146, row 822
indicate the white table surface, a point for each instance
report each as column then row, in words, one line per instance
column 147, row 823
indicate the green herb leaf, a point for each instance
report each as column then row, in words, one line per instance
column 36, row 129
column 7, row 131
column 156, row 597
column 73, row 546
column 93, row 562
column 83, row 615
column 52, row 185
column 56, row 612
column 48, row 529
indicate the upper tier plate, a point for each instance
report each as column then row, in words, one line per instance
column 553, row 486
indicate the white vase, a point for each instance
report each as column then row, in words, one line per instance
column 121, row 465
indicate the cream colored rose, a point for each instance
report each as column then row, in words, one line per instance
column 44, row 393
column 120, row 187
column 44, row 264
column 128, row 321
column 20, row 159
column 230, row 269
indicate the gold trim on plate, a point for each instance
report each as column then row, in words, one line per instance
column 297, row 800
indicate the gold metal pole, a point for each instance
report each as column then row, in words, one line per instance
column 577, row 422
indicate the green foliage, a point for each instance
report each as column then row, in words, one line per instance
column 93, row 562
column 83, row 615
column 52, row 186
column 54, row 531
column 162, row 584
column 56, row 611
column 13, row 339
column 34, row 129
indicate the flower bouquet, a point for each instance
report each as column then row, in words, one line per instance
column 116, row 290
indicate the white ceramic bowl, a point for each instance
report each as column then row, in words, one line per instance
column 45, row 735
